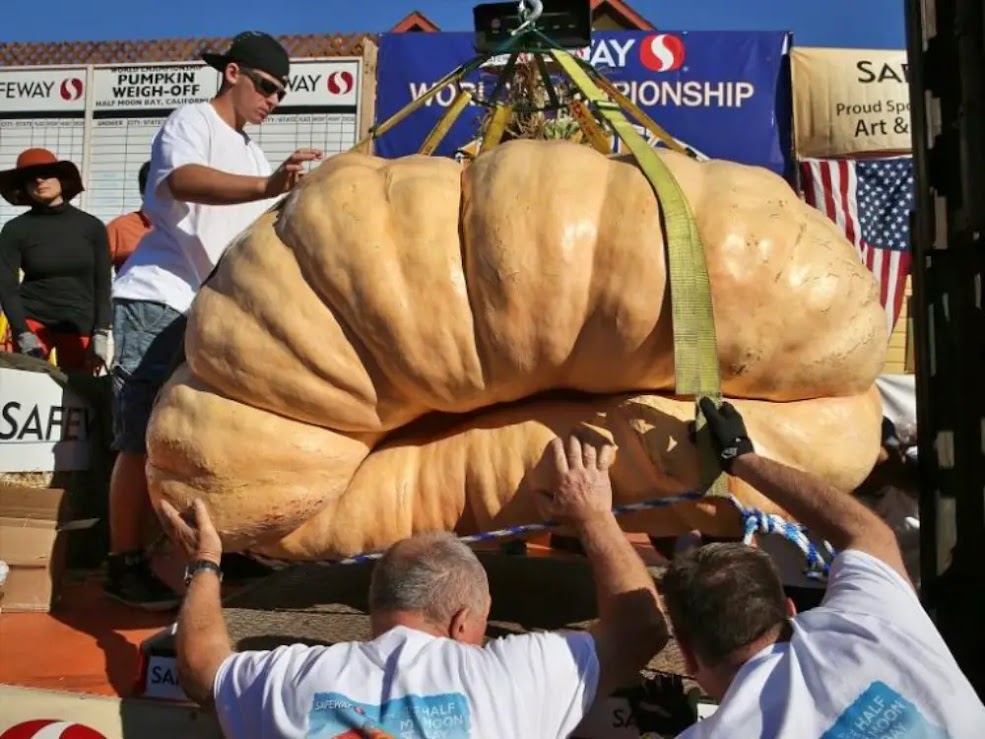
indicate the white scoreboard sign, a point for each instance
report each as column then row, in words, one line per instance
column 143, row 87
column 129, row 105
column 108, row 130
column 319, row 111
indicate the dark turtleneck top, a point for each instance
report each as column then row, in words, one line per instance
column 64, row 254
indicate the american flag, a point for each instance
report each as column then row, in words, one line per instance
column 870, row 200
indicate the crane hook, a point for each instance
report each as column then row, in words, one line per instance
column 530, row 11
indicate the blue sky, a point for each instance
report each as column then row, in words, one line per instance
column 848, row 23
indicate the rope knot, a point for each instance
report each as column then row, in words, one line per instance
column 759, row 522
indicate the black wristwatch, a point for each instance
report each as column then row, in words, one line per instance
column 197, row 566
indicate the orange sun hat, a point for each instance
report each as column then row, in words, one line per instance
column 32, row 163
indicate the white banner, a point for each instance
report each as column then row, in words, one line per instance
column 850, row 101
column 152, row 87
column 43, row 426
column 42, row 90
column 323, row 83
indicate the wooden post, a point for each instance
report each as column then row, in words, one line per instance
column 367, row 106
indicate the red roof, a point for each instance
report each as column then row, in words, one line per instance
column 625, row 13
column 415, row 21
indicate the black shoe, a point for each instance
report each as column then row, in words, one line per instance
column 131, row 581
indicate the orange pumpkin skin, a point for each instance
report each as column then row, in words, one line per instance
column 381, row 292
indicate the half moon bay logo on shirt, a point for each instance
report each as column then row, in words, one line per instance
column 880, row 711
column 337, row 716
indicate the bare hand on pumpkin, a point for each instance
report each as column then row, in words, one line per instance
column 581, row 489
column 192, row 531
column 290, row 172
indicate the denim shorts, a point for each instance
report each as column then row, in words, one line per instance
column 147, row 337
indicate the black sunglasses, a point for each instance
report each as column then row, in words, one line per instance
column 263, row 85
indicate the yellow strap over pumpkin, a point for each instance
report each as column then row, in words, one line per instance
column 695, row 349
column 497, row 125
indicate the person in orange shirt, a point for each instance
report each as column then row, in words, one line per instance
column 126, row 231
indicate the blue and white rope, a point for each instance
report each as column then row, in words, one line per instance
column 754, row 522
column 758, row 522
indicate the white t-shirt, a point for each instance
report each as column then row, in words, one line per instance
column 867, row 663
column 411, row 684
column 174, row 258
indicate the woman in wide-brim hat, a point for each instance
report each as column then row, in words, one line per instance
column 39, row 163
column 63, row 301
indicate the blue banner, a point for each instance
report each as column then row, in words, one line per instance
column 725, row 94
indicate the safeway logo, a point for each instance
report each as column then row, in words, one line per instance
column 340, row 83
column 662, row 52
column 50, row 729
column 71, row 89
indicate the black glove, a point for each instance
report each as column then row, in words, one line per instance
column 728, row 432
column 661, row 706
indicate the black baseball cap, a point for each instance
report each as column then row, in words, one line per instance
column 256, row 50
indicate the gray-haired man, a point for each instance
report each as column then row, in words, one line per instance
column 426, row 673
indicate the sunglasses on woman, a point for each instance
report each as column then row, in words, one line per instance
column 264, row 86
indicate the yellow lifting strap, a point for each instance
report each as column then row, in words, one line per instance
column 376, row 131
column 634, row 110
column 444, row 124
column 695, row 350
column 497, row 126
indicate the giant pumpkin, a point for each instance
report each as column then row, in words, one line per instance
column 392, row 347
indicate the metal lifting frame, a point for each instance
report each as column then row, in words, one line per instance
column 695, row 350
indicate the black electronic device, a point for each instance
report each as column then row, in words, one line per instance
column 568, row 23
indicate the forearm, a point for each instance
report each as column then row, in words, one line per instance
column 617, row 568
column 102, row 285
column 830, row 513
column 631, row 626
column 10, row 291
column 196, row 183
column 13, row 307
column 202, row 639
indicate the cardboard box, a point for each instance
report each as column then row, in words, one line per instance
column 34, row 525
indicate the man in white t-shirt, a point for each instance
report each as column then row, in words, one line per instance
column 425, row 673
column 208, row 181
column 867, row 662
